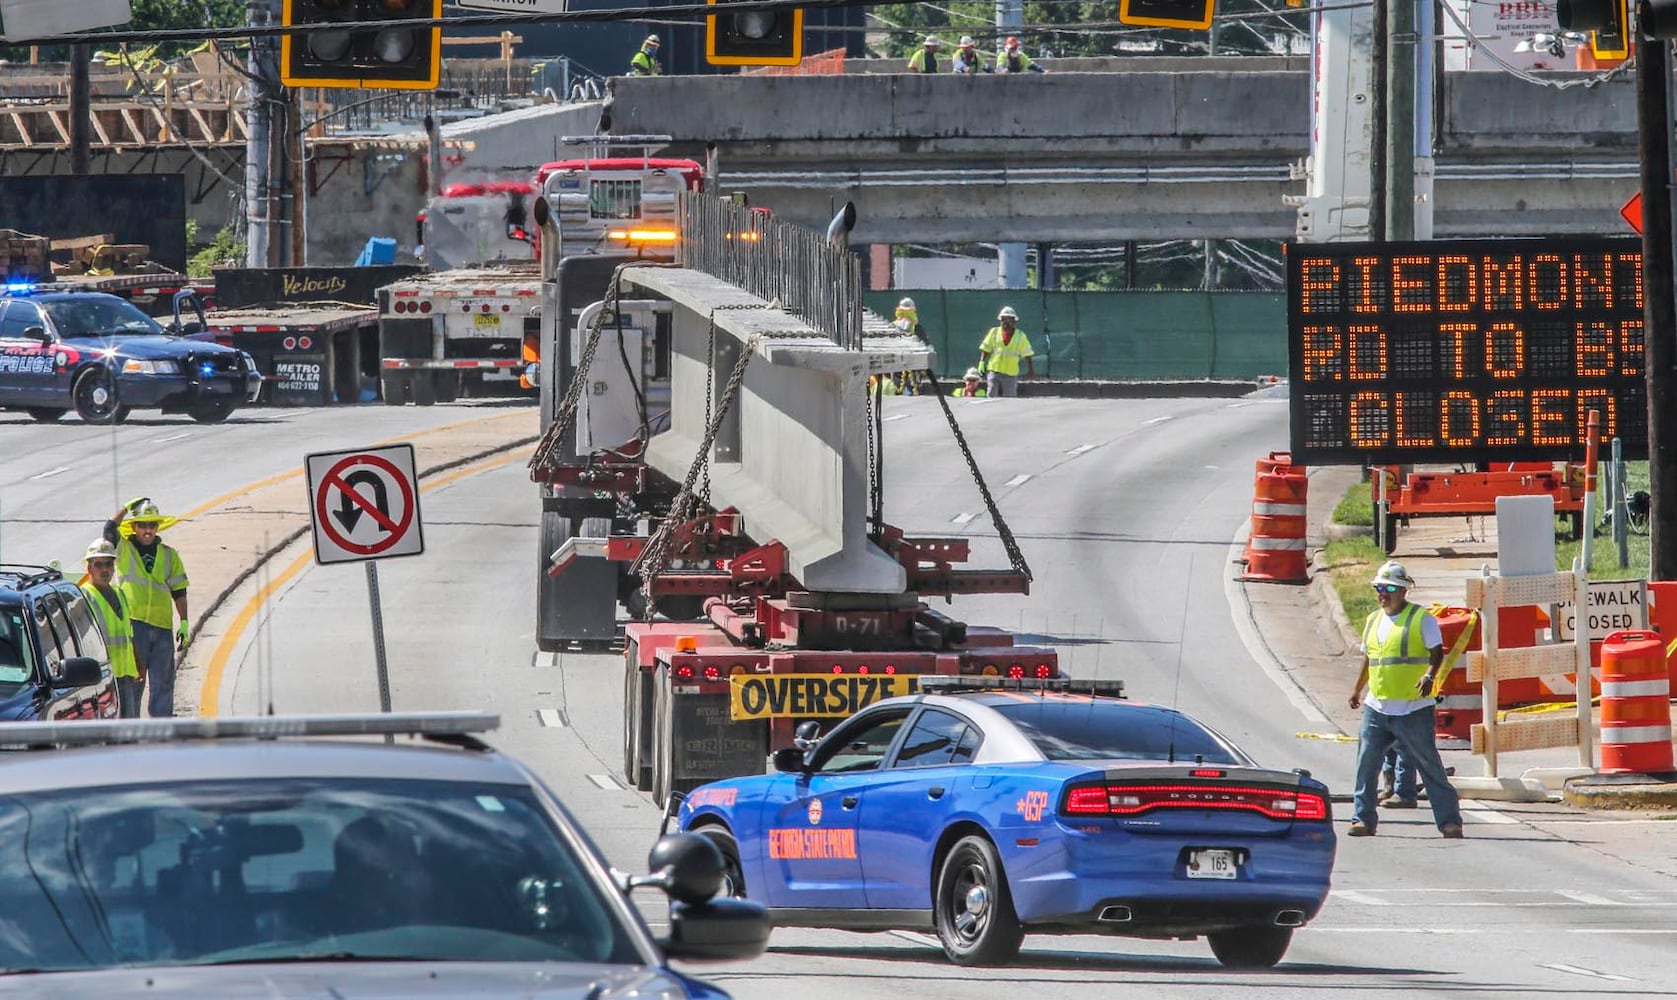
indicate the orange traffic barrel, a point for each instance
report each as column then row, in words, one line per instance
column 1275, row 550
column 1635, row 704
column 1460, row 704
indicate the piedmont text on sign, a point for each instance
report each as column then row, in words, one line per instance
column 1465, row 350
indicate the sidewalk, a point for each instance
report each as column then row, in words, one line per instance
column 227, row 540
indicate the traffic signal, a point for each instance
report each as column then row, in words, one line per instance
column 385, row 54
column 755, row 37
column 1607, row 21
column 1167, row 13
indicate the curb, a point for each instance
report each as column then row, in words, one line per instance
column 274, row 550
column 1501, row 789
column 1630, row 791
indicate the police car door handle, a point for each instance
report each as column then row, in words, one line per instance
column 934, row 792
column 849, row 802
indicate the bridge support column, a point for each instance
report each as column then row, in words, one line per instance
column 1010, row 261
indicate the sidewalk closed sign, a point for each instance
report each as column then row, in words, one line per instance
column 1611, row 606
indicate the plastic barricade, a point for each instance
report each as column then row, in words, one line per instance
column 1275, row 550
column 1635, row 704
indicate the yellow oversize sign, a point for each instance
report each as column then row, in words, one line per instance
column 785, row 696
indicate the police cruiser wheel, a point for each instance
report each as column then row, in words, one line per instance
column 212, row 411
column 733, row 876
column 973, row 909
column 46, row 414
column 1250, row 947
column 96, row 397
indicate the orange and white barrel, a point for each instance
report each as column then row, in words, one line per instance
column 1635, row 704
column 1275, row 549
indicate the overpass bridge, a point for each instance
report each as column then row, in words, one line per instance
column 1135, row 154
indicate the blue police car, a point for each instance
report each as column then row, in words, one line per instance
column 986, row 809
column 102, row 356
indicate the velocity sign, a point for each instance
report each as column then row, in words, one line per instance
column 364, row 504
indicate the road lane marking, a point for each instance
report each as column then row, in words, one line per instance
column 894, row 416
column 604, row 781
column 1587, row 898
column 1080, row 449
column 209, row 695
column 172, row 437
column 1579, row 970
column 1479, row 814
column 917, row 938
column 51, row 472
column 962, row 518
column 1246, row 627
column 1353, row 896
column 1018, row 480
column 1156, row 420
column 551, row 717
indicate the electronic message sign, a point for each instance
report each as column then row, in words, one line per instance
column 1465, row 350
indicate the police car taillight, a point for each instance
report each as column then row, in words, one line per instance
column 1135, row 799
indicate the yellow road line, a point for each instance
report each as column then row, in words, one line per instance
column 210, row 505
column 209, row 695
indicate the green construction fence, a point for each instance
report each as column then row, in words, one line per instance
column 1110, row 335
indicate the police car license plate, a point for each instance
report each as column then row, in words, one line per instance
column 1212, row 864
column 486, row 319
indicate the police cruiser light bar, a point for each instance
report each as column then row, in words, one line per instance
column 267, row 727
column 942, row 684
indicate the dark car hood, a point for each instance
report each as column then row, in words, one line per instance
column 361, row 981
column 148, row 347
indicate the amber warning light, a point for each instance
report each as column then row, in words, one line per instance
column 1468, row 350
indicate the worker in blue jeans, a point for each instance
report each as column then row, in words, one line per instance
column 1403, row 650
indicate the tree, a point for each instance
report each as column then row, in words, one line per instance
column 158, row 15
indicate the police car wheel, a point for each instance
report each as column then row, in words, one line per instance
column 212, row 412
column 733, row 876
column 973, row 909
column 121, row 414
column 46, row 414
column 1250, row 947
column 95, row 397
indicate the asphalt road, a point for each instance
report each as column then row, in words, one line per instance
column 1128, row 511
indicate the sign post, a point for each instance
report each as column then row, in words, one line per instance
column 363, row 507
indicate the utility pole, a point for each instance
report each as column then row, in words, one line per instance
column 1010, row 257
column 264, row 70
column 1400, row 120
column 1653, row 117
column 81, row 109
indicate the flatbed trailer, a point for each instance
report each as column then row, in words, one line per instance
column 1400, row 494
column 459, row 332
column 309, row 354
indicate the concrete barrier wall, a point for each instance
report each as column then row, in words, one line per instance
column 1110, row 335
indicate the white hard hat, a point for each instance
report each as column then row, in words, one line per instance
column 906, row 303
column 100, row 549
column 967, row 42
column 932, row 41
column 1007, row 313
column 1393, row 574
column 651, row 40
column 973, row 373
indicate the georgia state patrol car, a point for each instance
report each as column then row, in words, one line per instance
column 101, row 356
column 987, row 809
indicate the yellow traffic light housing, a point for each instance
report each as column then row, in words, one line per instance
column 754, row 38
column 387, row 53
column 1167, row 13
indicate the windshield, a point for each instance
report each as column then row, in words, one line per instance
column 100, row 315
column 1103, row 729
column 207, row 873
column 16, row 666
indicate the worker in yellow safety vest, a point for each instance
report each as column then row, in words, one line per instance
column 972, row 384
column 116, row 623
column 924, row 59
column 882, row 385
column 645, row 62
column 1012, row 59
column 1403, row 650
column 153, row 578
column 1001, row 351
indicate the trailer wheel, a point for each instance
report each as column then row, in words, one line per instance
column 556, row 529
column 425, row 388
column 448, row 386
column 662, row 763
column 394, row 388
column 631, row 718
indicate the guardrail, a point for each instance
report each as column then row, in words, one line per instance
column 774, row 260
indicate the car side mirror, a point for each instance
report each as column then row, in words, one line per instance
column 37, row 333
column 687, row 866
column 790, row 760
column 806, row 735
column 719, row 930
column 79, row 671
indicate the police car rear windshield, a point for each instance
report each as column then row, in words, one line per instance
column 1104, row 729
column 100, row 316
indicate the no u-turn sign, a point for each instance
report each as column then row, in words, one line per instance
column 364, row 504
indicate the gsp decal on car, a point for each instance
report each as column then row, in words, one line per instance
column 814, row 812
column 1032, row 805
column 784, row 696
column 811, row 845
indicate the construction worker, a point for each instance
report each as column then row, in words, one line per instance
column 110, row 606
column 966, row 60
column 972, row 384
column 1403, row 650
column 1001, row 351
column 924, row 60
column 908, row 317
column 153, row 579
column 1012, row 59
column 883, row 385
column 645, row 62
